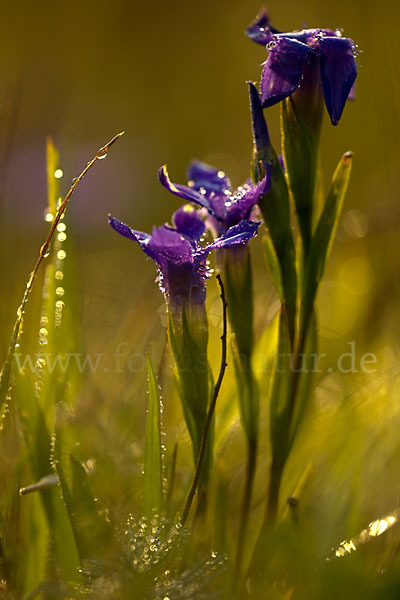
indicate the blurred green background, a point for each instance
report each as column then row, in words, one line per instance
column 173, row 75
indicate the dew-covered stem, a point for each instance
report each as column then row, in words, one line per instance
column 43, row 253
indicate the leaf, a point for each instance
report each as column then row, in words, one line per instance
column 286, row 412
column 280, row 394
column 92, row 532
column 273, row 263
column 236, row 270
column 326, row 227
column 171, row 476
column 304, row 388
column 275, row 208
column 301, row 124
column 247, row 393
column 189, row 347
column 38, row 447
column 52, row 160
column 153, row 480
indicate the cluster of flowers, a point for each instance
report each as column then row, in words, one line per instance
column 176, row 249
column 292, row 61
column 303, row 70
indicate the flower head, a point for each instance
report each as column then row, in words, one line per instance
column 290, row 55
column 180, row 259
column 211, row 189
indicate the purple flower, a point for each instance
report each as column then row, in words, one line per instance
column 289, row 60
column 180, row 259
column 211, row 189
column 260, row 31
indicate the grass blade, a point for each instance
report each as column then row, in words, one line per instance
column 153, row 479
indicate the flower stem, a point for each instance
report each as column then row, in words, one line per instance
column 210, row 413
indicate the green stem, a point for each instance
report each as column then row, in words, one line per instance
column 210, row 413
column 276, row 472
column 246, row 502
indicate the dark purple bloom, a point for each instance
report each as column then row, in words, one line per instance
column 211, row 189
column 260, row 31
column 181, row 260
column 290, row 55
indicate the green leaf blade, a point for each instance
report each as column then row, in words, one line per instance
column 327, row 225
column 153, row 480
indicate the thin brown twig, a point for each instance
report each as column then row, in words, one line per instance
column 211, row 409
column 43, row 253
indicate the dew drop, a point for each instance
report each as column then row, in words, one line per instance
column 58, row 173
column 61, row 254
column 60, row 291
column 62, row 237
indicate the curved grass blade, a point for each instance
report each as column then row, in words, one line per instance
column 5, row 373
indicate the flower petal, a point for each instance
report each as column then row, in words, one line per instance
column 260, row 31
column 238, row 235
column 207, row 177
column 182, row 191
column 283, row 69
column 338, row 73
column 170, row 246
column 125, row 230
column 241, row 209
column 353, row 92
column 189, row 223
